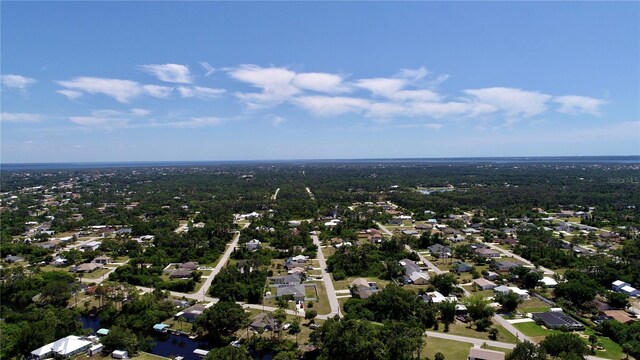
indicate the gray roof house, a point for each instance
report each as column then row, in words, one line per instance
column 409, row 266
column 439, row 250
column 294, row 290
column 286, row 279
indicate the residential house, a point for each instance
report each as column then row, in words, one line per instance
column 104, row 260
column 63, row 348
column 361, row 288
column 424, row 227
column 487, row 252
column 549, row 282
column 436, row 297
column 476, row 353
column 484, row 284
column 296, row 261
column 462, row 266
column 523, row 294
column 285, row 280
column 88, row 267
column 410, row 232
column 419, row 278
column 90, row 246
column 625, row 288
column 253, row 245
column 180, row 273
column 264, row 322
column 504, row 266
column 192, row 313
column 491, row 275
column 189, row 265
column 511, row 241
column 439, row 250
column 620, row 316
column 13, row 259
column 409, row 266
column 291, row 290
column 557, row 320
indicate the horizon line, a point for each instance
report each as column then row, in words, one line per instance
column 323, row 159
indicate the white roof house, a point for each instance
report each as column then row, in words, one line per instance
column 65, row 347
column 419, row 278
column 549, row 282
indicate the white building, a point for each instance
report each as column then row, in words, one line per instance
column 65, row 347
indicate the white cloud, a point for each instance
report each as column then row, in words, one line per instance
column 394, row 89
column 274, row 82
column 17, row 81
column 573, row 104
column 200, row 92
column 196, row 122
column 514, row 102
column 70, row 94
column 331, row 105
column 174, row 73
column 121, row 90
column 276, row 121
column 207, row 68
column 157, row 91
column 140, row 112
column 320, row 82
column 106, row 118
column 89, row 120
column 414, row 74
column 19, row 117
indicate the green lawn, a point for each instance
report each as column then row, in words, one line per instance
column 533, row 329
column 461, row 329
column 96, row 274
column 533, row 305
column 454, row 350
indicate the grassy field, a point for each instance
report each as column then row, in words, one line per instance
column 534, row 330
column 141, row 356
column 533, row 305
column 461, row 329
column 454, row 350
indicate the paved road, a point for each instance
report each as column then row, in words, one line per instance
column 201, row 294
column 509, row 253
column 328, row 284
column 510, row 328
column 474, row 341
column 221, row 263
column 428, row 263
column 310, row 194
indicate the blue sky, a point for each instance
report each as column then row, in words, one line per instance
column 145, row 81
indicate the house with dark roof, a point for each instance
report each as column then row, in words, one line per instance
column 180, row 273
column 264, row 321
column 189, row 265
column 557, row 320
column 439, row 250
column 504, row 266
column 409, row 266
column 462, row 266
column 192, row 313
column 285, row 279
